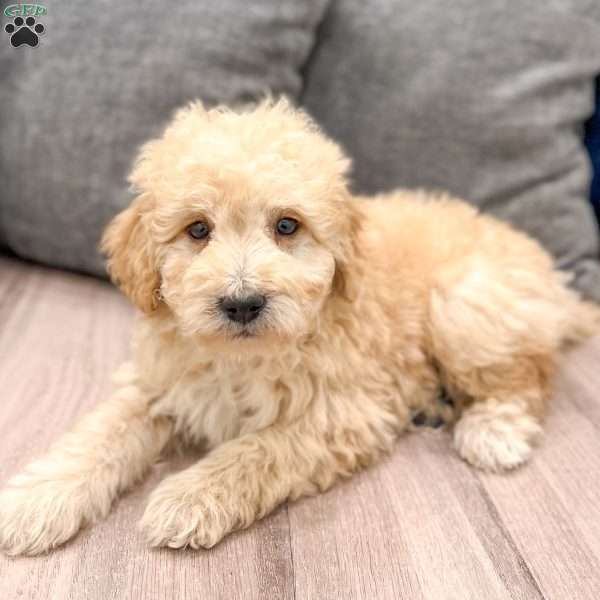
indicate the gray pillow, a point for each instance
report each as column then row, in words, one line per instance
column 104, row 78
column 485, row 99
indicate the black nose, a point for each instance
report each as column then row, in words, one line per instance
column 243, row 310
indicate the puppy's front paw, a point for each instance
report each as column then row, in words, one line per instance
column 496, row 436
column 182, row 512
column 38, row 515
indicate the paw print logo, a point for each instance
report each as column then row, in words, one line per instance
column 24, row 31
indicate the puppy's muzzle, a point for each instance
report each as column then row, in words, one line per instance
column 243, row 310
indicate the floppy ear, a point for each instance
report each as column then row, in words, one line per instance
column 348, row 263
column 132, row 255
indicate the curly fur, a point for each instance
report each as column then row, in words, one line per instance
column 373, row 305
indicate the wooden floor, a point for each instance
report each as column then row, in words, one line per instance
column 420, row 525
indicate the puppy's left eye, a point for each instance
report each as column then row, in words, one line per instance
column 287, row 226
column 198, row 230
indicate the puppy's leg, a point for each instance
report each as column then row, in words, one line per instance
column 244, row 479
column 76, row 482
column 496, row 339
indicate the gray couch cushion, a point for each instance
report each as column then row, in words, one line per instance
column 103, row 79
column 485, row 99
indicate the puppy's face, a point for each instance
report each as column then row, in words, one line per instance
column 246, row 258
column 241, row 227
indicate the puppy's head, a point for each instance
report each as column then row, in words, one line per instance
column 242, row 227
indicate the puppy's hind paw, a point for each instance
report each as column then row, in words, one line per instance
column 496, row 436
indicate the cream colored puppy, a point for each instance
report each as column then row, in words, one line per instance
column 294, row 331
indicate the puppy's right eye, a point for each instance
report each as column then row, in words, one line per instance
column 198, row 230
column 287, row 226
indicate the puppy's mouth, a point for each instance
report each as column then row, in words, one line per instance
column 243, row 334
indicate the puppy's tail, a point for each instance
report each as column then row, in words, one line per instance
column 584, row 323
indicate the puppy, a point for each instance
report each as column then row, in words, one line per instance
column 294, row 331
